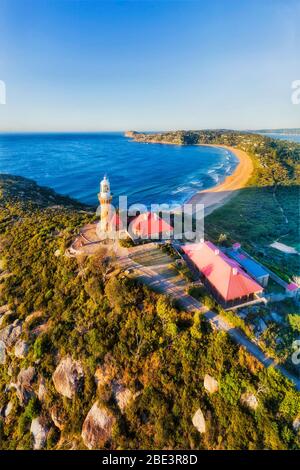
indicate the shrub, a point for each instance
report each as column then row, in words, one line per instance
column 126, row 242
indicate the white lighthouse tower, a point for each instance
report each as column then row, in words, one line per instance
column 105, row 199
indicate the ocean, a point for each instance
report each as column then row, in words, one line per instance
column 289, row 137
column 74, row 164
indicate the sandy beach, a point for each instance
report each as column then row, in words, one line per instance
column 216, row 196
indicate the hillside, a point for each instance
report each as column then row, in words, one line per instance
column 285, row 131
column 82, row 344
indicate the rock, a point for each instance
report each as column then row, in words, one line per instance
column 97, row 427
column 39, row 430
column 242, row 315
column 68, row 377
column 296, row 424
column 199, row 421
column 2, row 352
column 123, row 395
column 57, row 417
column 21, row 349
column 42, row 391
column 250, row 400
column 11, row 333
column 6, row 410
column 276, row 317
column 24, row 384
column 210, row 384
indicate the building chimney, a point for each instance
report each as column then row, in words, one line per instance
column 236, row 246
column 217, row 252
column 234, row 271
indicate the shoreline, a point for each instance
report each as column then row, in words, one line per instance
column 218, row 195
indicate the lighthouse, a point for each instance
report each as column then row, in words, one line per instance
column 105, row 199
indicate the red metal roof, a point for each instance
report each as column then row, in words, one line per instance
column 149, row 223
column 222, row 272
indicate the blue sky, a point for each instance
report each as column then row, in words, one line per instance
column 72, row 65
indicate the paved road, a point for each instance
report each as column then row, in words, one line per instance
column 159, row 283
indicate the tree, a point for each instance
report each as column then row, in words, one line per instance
column 294, row 321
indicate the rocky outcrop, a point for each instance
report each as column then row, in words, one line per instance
column 250, row 400
column 210, row 384
column 11, row 333
column 130, row 134
column 199, row 421
column 2, row 353
column 68, row 377
column 21, row 349
column 24, row 383
column 97, row 427
column 39, row 430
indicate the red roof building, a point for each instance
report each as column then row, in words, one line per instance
column 150, row 225
column 224, row 277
